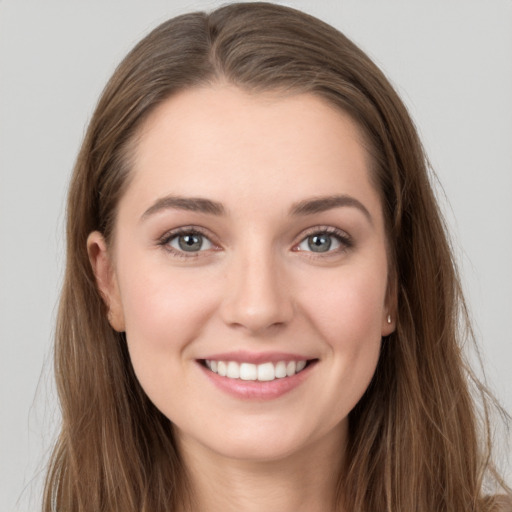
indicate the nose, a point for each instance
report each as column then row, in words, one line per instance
column 257, row 296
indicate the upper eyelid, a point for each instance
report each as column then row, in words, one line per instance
column 330, row 230
column 183, row 230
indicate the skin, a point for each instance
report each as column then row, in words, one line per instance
column 256, row 286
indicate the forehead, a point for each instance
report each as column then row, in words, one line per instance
column 235, row 145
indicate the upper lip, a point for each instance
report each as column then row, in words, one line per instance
column 256, row 357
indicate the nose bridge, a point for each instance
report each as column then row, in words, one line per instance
column 257, row 293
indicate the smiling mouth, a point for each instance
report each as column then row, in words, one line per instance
column 264, row 372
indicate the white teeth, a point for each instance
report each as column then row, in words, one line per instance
column 222, row 369
column 260, row 372
column 280, row 370
column 248, row 371
column 266, row 371
column 233, row 371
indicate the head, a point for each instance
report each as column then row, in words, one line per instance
column 264, row 49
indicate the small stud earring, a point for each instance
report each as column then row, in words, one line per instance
column 389, row 319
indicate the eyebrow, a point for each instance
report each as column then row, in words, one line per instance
column 192, row 204
column 301, row 208
column 322, row 204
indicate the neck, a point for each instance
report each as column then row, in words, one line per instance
column 300, row 482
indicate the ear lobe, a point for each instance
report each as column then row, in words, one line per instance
column 388, row 324
column 105, row 279
column 390, row 310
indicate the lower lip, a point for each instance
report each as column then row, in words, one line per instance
column 258, row 390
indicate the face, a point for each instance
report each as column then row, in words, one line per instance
column 249, row 270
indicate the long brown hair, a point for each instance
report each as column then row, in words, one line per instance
column 416, row 442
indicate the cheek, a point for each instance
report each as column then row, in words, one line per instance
column 162, row 304
column 348, row 314
column 164, row 312
column 350, row 306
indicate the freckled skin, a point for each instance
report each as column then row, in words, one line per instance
column 257, row 286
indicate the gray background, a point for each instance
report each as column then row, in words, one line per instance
column 450, row 60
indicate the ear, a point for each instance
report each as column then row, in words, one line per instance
column 389, row 313
column 106, row 280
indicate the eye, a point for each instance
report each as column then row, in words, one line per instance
column 188, row 241
column 324, row 242
column 319, row 242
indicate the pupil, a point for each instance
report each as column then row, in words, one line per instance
column 190, row 242
column 319, row 243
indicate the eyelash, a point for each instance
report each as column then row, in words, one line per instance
column 341, row 237
column 168, row 237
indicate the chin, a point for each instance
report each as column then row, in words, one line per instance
column 259, row 440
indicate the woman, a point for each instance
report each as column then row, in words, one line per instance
column 260, row 309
